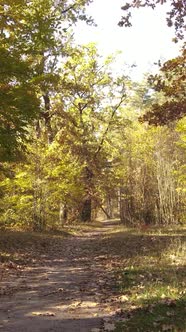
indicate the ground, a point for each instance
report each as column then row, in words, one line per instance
column 101, row 278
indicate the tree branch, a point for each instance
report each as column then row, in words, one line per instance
column 108, row 127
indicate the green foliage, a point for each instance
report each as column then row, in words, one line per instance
column 74, row 126
column 48, row 177
column 33, row 36
column 149, row 162
column 73, row 168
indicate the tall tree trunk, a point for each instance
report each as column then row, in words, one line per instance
column 47, row 118
column 124, row 206
column 86, row 210
column 63, row 213
column 87, row 203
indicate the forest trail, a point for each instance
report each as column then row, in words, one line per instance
column 101, row 277
column 70, row 288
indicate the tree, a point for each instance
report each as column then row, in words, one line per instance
column 175, row 17
column 70, row 175
column 181, row 170
column 91, row 98
column 151, row 173
column 171, row 82
column 148, row 165
column 19, row 104
column 33, row 36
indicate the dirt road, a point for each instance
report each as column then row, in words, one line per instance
column 70, row 288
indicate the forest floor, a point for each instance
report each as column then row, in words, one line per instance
column 101, row 277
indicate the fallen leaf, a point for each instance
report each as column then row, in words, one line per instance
column 88, row 304
column 124, row 298
column 167, row 328
column 169, row 313
column 109, row 327
column 43, row 313
column 106, row 319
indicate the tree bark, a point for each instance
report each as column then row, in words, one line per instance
column 86, row 210
column 47, row 118
column 87, row 203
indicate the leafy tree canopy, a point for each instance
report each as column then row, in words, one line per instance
column 171, row 81
column 175, row 17
column 33, row 34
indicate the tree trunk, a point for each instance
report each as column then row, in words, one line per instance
column 47, row 118
column 125, row 206
column 86, row 210
column 63, row 213
column 87, row 203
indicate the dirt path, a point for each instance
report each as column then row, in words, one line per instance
column 69, row 289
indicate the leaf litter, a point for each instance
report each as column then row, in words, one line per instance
column 114, row 282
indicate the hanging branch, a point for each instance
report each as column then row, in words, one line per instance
column 109, row 124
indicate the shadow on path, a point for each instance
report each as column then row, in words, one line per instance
column 64, row 289
column 70, row 285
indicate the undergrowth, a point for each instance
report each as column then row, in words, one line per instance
column 153, row 284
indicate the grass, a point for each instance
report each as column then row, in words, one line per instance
column 157, row 317
column 153, row 284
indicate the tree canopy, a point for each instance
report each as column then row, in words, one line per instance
column 175, row 16
column 77, row 138
column 33, row 35
column 171, row 82
column 82, row 143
